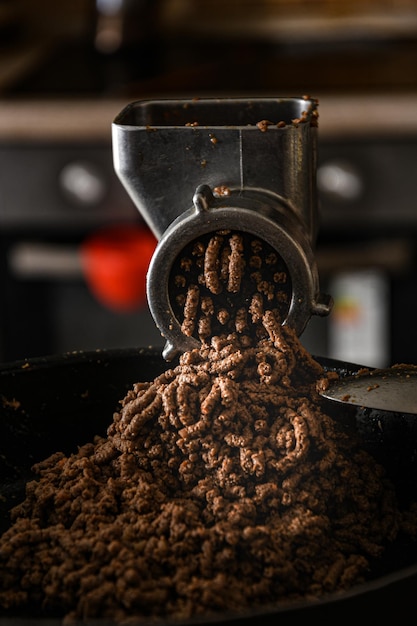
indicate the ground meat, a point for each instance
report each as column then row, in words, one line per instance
column 220, row 485
column 230, row 269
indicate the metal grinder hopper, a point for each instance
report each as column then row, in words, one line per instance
column 200, row 168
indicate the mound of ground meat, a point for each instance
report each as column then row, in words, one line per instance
column 220, row 485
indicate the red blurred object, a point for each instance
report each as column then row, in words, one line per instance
column 115, row 262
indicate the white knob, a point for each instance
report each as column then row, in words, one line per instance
column 83, row 182
column 340, row 179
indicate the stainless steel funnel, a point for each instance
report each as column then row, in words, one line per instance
column 203, row 166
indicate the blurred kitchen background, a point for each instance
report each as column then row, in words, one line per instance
column 74, row 250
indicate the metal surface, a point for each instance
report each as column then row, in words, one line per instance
column 391, row 389
column 172, row 155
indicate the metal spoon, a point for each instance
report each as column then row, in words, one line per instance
column 392, row 389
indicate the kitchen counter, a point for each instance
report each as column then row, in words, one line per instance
column 72, row 119
column 58, row 120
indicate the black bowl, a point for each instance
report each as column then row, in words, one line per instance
column 57, row 403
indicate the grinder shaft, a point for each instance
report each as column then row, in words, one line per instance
column 228, row 188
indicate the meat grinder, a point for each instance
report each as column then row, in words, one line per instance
column 202, row 166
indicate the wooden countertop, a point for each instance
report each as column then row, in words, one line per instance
column 91, row 119
column 58, row 120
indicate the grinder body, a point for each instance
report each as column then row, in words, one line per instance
column 195, row 167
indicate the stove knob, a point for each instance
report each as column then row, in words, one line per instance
column 340, row 180
column 83, row 183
